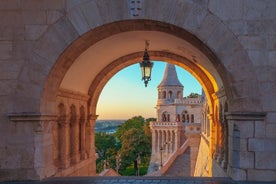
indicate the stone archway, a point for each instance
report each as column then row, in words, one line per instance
column 56, row 52
column 201, row 62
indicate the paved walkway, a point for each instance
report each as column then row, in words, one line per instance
column 135, row 180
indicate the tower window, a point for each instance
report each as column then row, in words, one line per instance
column 164, row 94
column 178, row 94
column 170, row 94
column 178, row 117
column 183, row 118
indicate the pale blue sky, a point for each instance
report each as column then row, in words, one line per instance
column 125, row 94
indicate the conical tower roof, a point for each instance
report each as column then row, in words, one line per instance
column 170, row 77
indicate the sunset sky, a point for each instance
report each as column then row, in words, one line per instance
column 125, row 95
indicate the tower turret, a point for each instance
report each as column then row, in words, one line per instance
column 170, row 87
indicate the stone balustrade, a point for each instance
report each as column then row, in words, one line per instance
column 171, row 124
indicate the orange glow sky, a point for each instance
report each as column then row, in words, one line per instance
column 125, row 95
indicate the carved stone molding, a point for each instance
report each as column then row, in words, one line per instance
column 28, row 117
column 247, row 116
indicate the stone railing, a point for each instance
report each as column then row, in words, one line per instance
column 188, row 101
column 172, row 158
column 171, row 124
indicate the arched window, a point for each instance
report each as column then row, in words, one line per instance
column 178, row 117
column 164, row 94
column 192, row 118
column 164, row 118
column 188, row 118
column 170, row 94
column 183, row 118
column 179, row 94
column 168, row 117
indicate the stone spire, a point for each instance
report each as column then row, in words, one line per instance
column 170, row 77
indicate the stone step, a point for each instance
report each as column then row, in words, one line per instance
column 181, row 166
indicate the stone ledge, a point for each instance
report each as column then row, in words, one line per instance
column 27, row 117
column 255, row 116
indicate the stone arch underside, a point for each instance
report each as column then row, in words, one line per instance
column 67, row 58
column 84, row 30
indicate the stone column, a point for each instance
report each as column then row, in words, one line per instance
column 164, row 145
column 173, row 140
column 159, row 141
column 211, row 133
column 75, row 141
column 64, row 144
column 153, row 140
column 82, row 139
column 33, row 141
column 90, row 144
column 177, row 139
column 247, row 157
column 168, row 143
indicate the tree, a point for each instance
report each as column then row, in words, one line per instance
column 135, row 139
column 131, row 139
column 193, row 95
column 134, row 122
column 107, row 148
column 134, row 143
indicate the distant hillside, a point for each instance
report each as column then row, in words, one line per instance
column 108, row 126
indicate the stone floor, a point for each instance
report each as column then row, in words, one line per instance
column 135, row 180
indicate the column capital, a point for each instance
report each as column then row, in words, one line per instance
column 92, row 117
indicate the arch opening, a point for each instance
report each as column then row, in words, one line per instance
column 104, row 58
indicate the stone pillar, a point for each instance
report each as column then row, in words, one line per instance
column 164, row 145
column 82, row 139
column 246, row 144
column 168, row 142
column 153, row 141
column 75, row 141
column 90, row 142
column 33, row 140
column 159, row 141
column 82, row 121
column 64, row 144
column 177, row 139
column 173, row 140
column 211, row 133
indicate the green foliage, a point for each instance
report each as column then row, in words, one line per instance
column 135, row 122
column 135, row 140
column 131, row 139
column 107, row 148
column 193, row 95
column 130, row 171
column 103, row 143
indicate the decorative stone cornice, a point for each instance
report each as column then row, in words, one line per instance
column 28, row 117
column 72, row 94
column 256, row 116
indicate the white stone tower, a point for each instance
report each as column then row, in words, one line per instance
column 178, row 121
column 169, row 89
